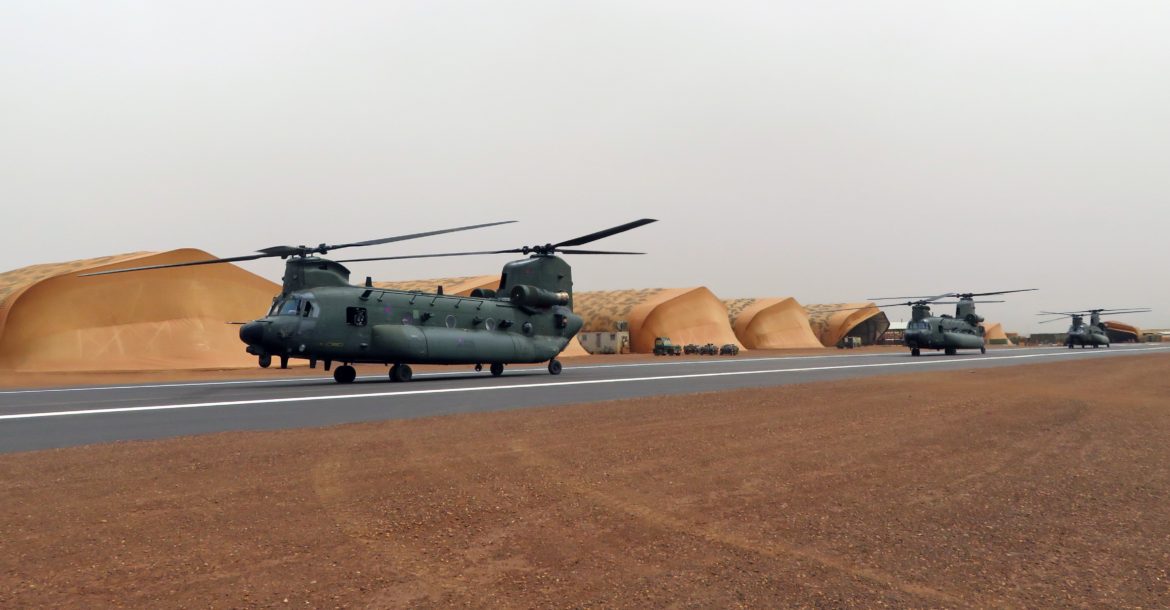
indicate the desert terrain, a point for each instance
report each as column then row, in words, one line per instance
column 1029, row 486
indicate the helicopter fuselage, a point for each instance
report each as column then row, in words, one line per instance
column 320, row 316
column 1084, row 335
column 946, row 333
column 370, row 325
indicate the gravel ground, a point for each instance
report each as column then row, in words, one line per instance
column 1031, row 486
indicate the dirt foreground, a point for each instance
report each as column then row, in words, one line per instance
column 1033, row 486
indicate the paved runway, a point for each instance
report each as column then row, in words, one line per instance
column 62, row 417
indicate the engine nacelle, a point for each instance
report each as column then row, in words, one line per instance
column 531, row 296
column 974, row 319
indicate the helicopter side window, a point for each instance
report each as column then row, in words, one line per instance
column 355, row 316
column 310, row 310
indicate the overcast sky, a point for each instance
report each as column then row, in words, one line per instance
column 824, row 150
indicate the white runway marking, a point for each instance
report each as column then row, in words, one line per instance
column 310, row 380
column 267, row 401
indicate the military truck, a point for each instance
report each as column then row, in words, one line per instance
column 663, row 347
column 849, row 343
column 729, row 349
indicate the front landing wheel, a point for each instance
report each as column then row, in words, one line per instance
column 497, row 369
column 265, row 361
column 982, row 349
column 344, row 374
column 915, row 352
column 554, row 367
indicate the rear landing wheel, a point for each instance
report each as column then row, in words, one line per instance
column 344, row 374
column 284, row 362
column 950, row 351
column 982, row 349
column 915, row 351
column 554, row 367
column 497, row 369
column 401, row 372
column 265, row 361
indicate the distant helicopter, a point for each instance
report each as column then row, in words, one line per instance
column 1092, row 333
column 320, row 316
column 947, row 333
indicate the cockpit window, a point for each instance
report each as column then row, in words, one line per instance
column 289, row 307
column 918, row 325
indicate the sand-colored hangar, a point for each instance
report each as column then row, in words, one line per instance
column 832, row 322
column 993, row 334
column 1120, row 332
column 53, row 320
column 771, row 323
column 685, row 315
column 459, row 286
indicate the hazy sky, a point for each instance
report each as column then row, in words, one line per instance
column 824, row 150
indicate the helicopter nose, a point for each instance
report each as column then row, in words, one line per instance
column 252, row 333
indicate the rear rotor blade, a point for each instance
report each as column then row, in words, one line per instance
column 210, row 261
column 386, row 240
column 592, row 237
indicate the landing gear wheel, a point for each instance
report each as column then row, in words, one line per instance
column 401, row 372
column 478, row 368
column 265, row 361
column 554, row 367
column 497, row 369
column 982, row 349
column 284, row 362
column 914, row 351
column 344, row 374
column 1095, row 346
column 1070, row 344
column 950, row 351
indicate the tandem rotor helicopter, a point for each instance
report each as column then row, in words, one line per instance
column 944, row 332
column 320, row 317
column 1092, row 333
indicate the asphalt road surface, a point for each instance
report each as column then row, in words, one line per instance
column 62, row 417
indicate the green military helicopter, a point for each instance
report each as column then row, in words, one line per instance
column 1093, row 333
column 320, row 317
column 944, row 332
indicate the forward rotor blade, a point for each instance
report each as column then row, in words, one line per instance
column 853, row 308
column 1117, row 313
column 957, row 302
column 987, row 294
column 592, row 237
column 210, row 261
column 1053, row 320
column 1061, row 313
column 927, row 298
column 1127, row 310
column 594, row 252
column 386, row 240
column 438, row 255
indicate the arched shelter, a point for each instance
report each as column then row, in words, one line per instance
column 994, row 334
column 1120, row 332
column 771, row 323
column 178, row 318
column 684, row 315
column 833, row 322
column 459, row 286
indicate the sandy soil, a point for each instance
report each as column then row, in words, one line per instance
column 1034, row 486
column 297, row 369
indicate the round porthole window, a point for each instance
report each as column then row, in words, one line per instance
column 489, row 324
column 451, row 321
